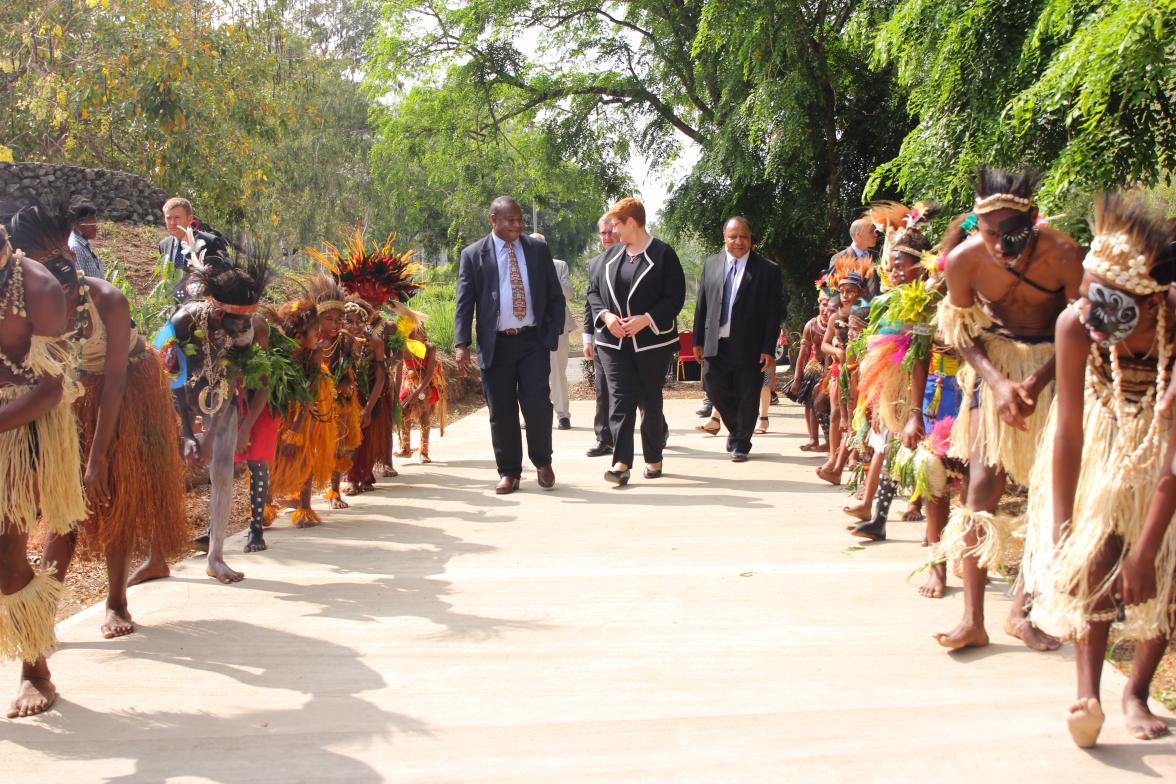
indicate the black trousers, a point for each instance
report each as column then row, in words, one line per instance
column 518, row 379
column 635, row 380
column 600, row 423
column 734, row 389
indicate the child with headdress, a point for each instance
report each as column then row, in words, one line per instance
column 374, row 275
column 423, row 394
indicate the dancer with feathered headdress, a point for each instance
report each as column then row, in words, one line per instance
column 374, row 275
column 202, row 347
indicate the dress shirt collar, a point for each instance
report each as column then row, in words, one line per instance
column 858, row 251
column 739, row 259
column 500, row 244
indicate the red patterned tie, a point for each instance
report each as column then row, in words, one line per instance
column 518, row 297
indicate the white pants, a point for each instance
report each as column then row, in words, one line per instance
column 558, row 380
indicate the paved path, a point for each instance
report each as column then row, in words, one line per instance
column 715, row 625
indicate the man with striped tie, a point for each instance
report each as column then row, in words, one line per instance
column 510, row 300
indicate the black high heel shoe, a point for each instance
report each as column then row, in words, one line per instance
column 618, row 478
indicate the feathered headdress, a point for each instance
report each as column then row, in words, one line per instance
column 235, row 281
column 378, row 274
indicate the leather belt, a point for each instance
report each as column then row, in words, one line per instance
column 512, row 331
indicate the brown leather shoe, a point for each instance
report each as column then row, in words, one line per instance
column 507, row 485
column 546, row 477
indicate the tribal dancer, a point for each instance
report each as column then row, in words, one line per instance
column 1006, row 288
column 833, row 345
column 307, row 434
column 199, row 344
column 808, row 371
column 899, row 339
column 1102, row 547
column 40, row 465
column 133, row 476
column 375, row 275
column 348, row 408
column 423, row 394
column 922, row 467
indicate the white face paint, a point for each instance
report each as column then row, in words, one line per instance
column 1113, row 314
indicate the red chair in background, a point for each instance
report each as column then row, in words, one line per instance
column 686, row 355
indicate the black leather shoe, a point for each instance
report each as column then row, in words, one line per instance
column 617, row 477
column 599, row 449
column 652, row 473
column 565, row 423
column 738, row 457
column 874, row 531
column 705, row 411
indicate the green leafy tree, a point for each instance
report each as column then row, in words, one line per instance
column 1084, row 90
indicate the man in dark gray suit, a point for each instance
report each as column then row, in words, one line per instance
column 736, row 324
column 508, row 295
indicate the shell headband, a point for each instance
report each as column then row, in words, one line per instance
column 1113, row 258
column 1002, row 201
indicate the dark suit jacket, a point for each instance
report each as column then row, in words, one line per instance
column 477, row 296
column 659, row 289
column 168, row 244
column 755, row 312
column 593, row 263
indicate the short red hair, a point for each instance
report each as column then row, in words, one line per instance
column 627, row 208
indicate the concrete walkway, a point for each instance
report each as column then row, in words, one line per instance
column 715, row 625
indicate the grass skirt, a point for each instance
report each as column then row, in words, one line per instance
column 1104, row 506
column 42, row 460
column 145, row 475
column 436, row 401
column 27, row 625
column 883, row 385
column 374, row 447
column 998, row 444
column 315, row 445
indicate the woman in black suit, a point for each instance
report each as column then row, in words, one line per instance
column 635, row 296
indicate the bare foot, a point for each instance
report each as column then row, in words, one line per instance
column 151, row 569
column 829, row 475
column 404, row 453
column 117, row 624
column 860, row 511
column 220, row 570
column 913, row 515
column 352, row 490
column 963, row 636
column 810, row 447
column 1029, row 634
column 1085, row 721
column 1141, row 722
column 425, row 458
column 338, row 503
column 936, row 582
column 390, row 472
column 35, row 695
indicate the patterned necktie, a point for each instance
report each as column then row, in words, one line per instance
column 518, row 297
column 728, row 293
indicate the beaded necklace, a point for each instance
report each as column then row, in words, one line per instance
column 12, row 303
column 81, row 320
column 1129, row 464
column 214, row 370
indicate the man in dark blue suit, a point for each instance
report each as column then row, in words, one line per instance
column 509, row 296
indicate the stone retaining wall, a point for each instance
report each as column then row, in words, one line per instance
column 118, row 196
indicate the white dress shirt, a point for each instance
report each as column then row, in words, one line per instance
column 740, row 263
column 506, row 316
